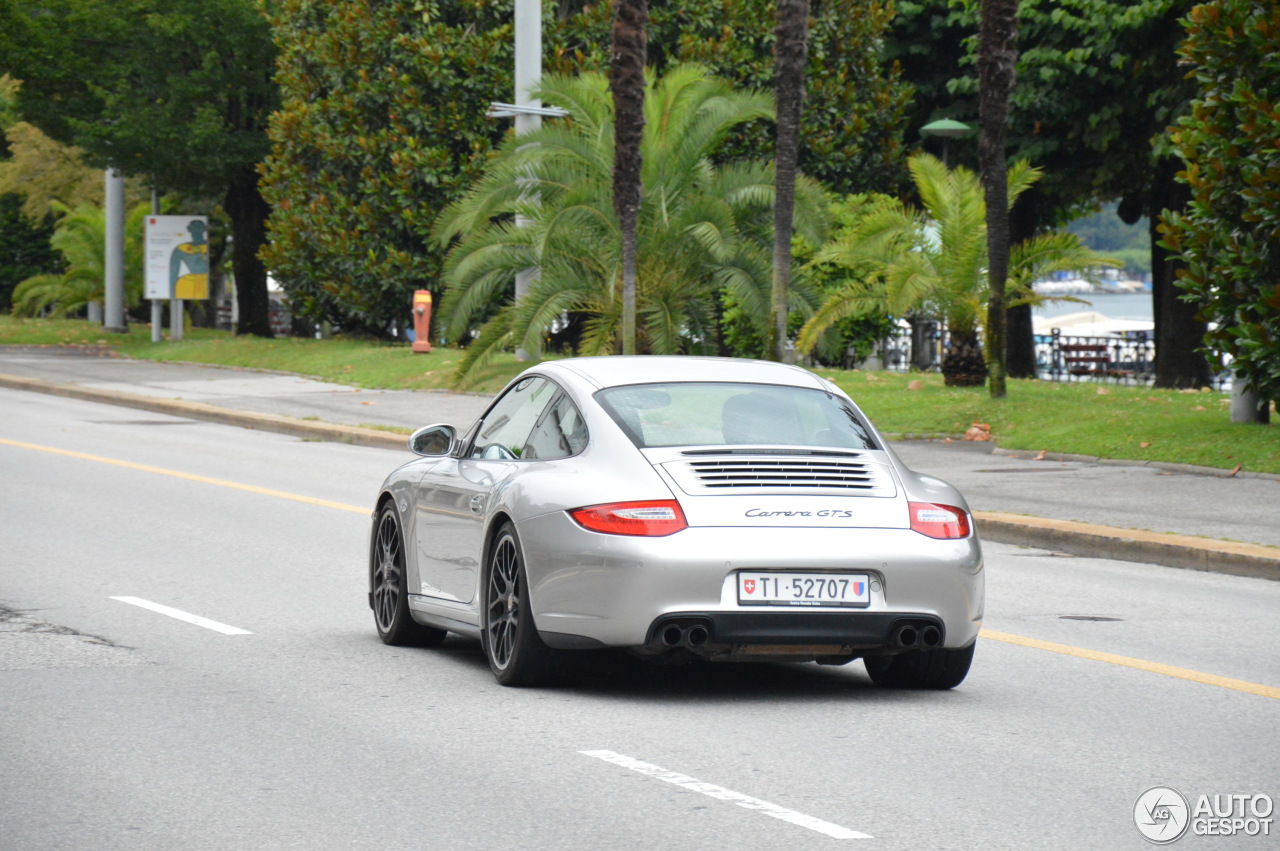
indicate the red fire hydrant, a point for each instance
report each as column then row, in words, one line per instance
column 422, row 321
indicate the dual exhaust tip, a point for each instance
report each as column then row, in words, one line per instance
column 910, row 637
column 688, row 635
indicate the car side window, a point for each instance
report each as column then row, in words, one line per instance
column 561, row 433
column 505, row 429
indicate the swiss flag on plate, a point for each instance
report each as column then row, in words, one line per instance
column 749, row 585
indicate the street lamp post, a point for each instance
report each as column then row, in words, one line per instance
column 527, row 111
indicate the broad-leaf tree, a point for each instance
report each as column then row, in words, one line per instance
column 24, row 247
column 177, row 93
column 382, row 124
column 702, row 228
column 1229, row 236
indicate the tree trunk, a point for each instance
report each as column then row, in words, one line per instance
column 626, row 79
column 963, row 365
column 790, row 51
column 1248, row 405
column 997, row 53
column 1179, row 335
column 248, row 213
column 1020, row 343
column 1020, row 339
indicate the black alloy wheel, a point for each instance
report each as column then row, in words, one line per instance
column 517, row 655
column 389, row 594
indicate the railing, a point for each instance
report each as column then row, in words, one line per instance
column 1059, row 357
column 1128, row 360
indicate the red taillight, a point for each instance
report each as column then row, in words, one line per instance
column 652, row 518
column 939, row 521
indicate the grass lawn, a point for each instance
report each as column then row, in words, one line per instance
column 1106, row 420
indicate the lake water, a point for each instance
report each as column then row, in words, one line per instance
column 1119, row 306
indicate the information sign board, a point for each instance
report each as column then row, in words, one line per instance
column 177, row 257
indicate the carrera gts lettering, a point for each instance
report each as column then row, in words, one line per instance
column 837, row 513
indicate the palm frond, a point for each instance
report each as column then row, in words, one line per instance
column 494, row 338
column 859, row 298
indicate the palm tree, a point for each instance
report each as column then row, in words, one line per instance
column 80, row 236
column 997, row 55
column 701, row 228
column 791, row 44
column 935, row 261
column 630, row 48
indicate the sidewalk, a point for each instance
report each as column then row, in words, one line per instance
column 1175, row 515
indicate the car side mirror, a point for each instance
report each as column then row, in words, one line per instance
column 433, row 441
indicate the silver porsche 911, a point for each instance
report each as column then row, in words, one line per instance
column 681, row 508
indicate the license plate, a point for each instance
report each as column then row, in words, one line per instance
column 803, row 589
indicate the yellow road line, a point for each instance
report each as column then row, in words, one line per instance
column 1140, row 664
column 1008, row 638
column 191, row 477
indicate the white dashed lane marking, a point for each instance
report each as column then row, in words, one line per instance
column 722, row 794
column 183, row 616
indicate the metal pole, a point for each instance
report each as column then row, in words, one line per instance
column 113, row 258
column 176, row 317
column 528, row 51
column 157, row 305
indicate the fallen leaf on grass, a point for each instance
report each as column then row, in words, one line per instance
column 1144, row 444
column 1198, row 408
column 916, row 385
column 1102, row 391
column 978, row 431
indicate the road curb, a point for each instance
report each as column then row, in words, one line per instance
column 1092, row 541
column 305, row 429
column 1081, row 539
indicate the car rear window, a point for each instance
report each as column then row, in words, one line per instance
column 725, row 414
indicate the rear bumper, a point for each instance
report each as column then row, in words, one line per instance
column 617, row 591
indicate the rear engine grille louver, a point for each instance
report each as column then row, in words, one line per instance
column 786, row 475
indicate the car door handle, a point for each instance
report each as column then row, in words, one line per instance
column 477, row 503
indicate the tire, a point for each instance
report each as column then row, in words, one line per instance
column 924, row 669
column 517, row 654
column 388, row 588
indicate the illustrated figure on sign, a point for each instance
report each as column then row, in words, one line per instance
column 193, row 256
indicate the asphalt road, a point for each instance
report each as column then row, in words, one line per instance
column 294, row 728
